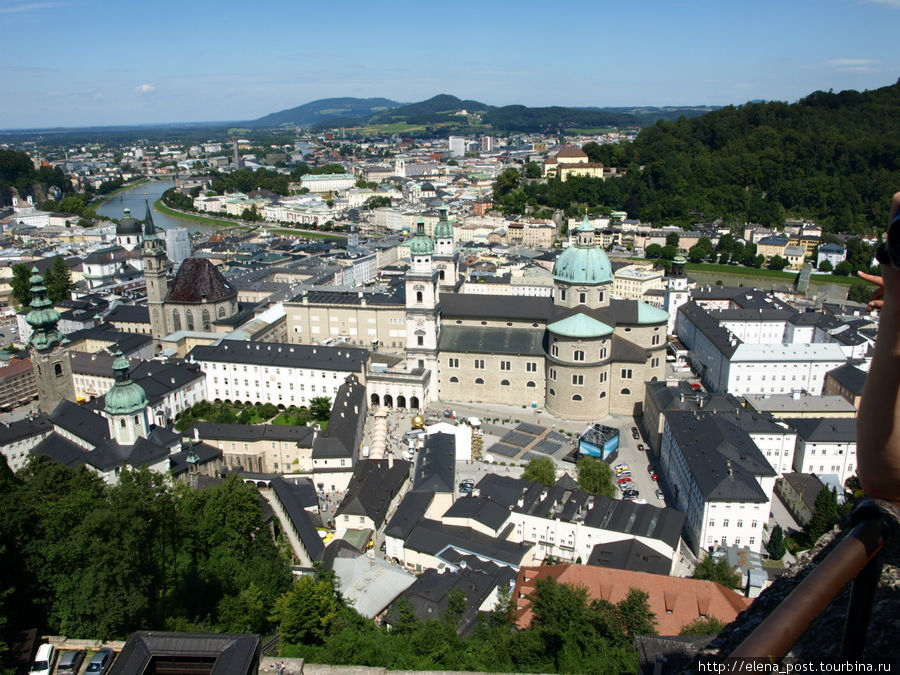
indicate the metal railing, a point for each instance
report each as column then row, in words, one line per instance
column 859, row 558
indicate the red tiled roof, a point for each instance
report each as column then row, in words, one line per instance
column 572, row 152
column 15, row 367
column 675, row 601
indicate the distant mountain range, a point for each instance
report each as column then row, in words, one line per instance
column 444, row 111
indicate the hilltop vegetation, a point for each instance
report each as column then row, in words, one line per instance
column 832, row 158
column 333, row 109
column 17, row 174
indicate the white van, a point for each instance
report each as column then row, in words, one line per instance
column 365, row 452
column 43, row 661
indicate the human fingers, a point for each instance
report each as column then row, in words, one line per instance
column 872, row 278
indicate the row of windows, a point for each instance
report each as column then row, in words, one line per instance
column 505, row 366
column 503, row 383
column 577, row 397
column 578, row 380
column 740, row 523
column 577, row 354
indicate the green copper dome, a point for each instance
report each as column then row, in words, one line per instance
column 125, row 397
column 443, row 229
column 580, row 326
column 421, row 243
column 583, row 263
column 42, row 318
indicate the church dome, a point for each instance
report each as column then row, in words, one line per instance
column 421, row 243
column 443, row 229
column 583, row 263
column 125, row 397
column 128, row 225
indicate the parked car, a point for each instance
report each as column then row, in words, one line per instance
column 624, row 480
column 622, row 467
column 43, row 660
column 100, row 662
column 654, row 476
column 639, row 501
column 696, row 386
column 640, row 447
column 659, row 494
column 465, row 488
column 630, row 493
column 70, row 661
column 650, row 469
column 634, row 433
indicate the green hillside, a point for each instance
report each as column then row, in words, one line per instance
column 831, row 157
column 326, row 109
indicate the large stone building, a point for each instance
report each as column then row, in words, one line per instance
column 582, row 353
column 198, row 298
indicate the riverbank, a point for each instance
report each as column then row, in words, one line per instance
column 158, row 205
column 102, row 199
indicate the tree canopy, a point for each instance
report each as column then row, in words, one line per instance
column 595, row 477
column 540, row 469
column 717, row 569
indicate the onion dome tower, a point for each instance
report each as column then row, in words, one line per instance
column 125, row 405
column 52, row 367
column 128, row 231
column 583, row 273
column 445, row 257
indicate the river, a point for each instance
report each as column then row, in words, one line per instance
column 133, row 198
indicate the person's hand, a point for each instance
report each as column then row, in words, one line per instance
column 889, row 282
column 877, row 300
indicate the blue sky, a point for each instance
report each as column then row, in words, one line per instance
column 84, row 62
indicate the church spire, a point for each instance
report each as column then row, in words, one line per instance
column 149, row 227
column 42, row 318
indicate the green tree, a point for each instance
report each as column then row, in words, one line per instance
column 320, row 407
column 20, row 284
column 635, row 615
column 775, row 545
column 540, row 469
column 506, row 182
column 825, row 515
column 532, row 170
column 58, row 281
column 776, row 262
column 595, row 476
column 668, row 252
column 708, row 626
column 826, row 266
column 723, row 258
column 860, row 291
column 717, row 569
column 726, row 243
column 306, row 611
column 843, row 268
column 697, row 254
column 653, row 251
column 673, row 239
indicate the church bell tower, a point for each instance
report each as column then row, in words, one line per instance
column 156, row 264
column 52, row 367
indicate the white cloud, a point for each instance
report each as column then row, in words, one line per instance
column 851, row 65
column 16, row 8
column 145, row 89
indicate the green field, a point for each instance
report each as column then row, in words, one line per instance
column 309, row 234
column 770, row 275
column 181, row 215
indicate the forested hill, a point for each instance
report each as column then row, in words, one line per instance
column 316, row 112
column 834, row 158
column 17, row 173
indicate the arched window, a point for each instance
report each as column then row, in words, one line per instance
column 418, row 296
column 207, row 326
column 57, row 369
column 602, row 394
column 222, row 312
column 578, row 355
column 454, row 379
column 478, row 380
column 189, row 316
column 552, row 392
column 441, row 275
column 576, row 397
column 176, row 321
column 504, row 383
column 626, row 392
column 530, row 384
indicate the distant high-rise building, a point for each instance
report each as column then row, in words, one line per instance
column 457, row 146
column 487, row 143
column 237, row 158
column 178, row 245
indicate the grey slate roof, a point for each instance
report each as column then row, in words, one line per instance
column 644, row 520
column 629, row 554
column 347, row 359
column 302, row 436
column 409, row 513
column 807, row 485
column 435, row 467
column 233, row 654
column 205, row 452
column 496, row 307
column 825, row 429
column 849, row 376
column 129, row 314
column 722, row 458
column 294, row 498
column 491, row 340
column 372, row 488
column 344, row 432
column 481, row 509
column 476, row 580
column 436, row 539
column 709, row 326
column 15, row 431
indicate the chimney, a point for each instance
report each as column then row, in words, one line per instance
column 728, row 465
column 390, row 459
column 196, row 435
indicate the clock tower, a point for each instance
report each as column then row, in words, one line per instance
column 422, row 310
column 156, row 264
